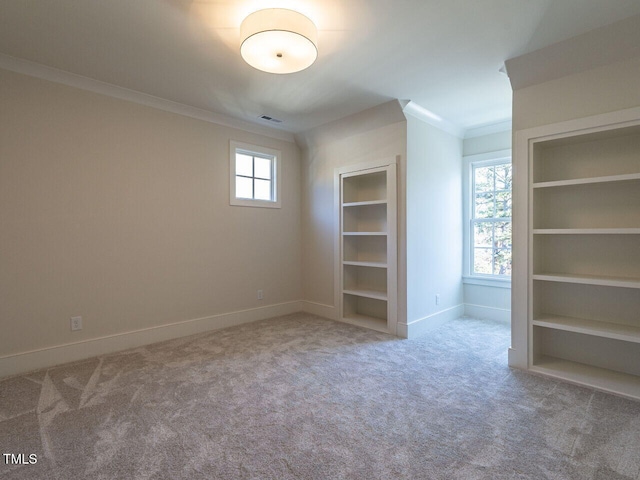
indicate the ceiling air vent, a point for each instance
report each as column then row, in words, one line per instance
column 269, row 119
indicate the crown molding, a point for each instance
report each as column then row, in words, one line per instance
column 421, row 113
column 386, row 113
column 499, row 127
column 63, row 77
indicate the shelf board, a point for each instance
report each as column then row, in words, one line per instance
column 610, row 381
column 374, row 323
column 364, row 233
column 586, row 181
column 586, row 231
column 366, row 264
column 590, row 327
column 624, row 282
column 361, row 204
column 367, row 292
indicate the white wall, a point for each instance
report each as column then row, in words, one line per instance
column 485, row 301
column 593, row 73
column 120, row 213
column 603, row 89
column 373, row 134
column 433, row 226
column 487, row 143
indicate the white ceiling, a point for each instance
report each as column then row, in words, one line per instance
column 443, row 55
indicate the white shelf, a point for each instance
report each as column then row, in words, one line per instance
column 586, row 231
column 367, row 245
column 623, row 282
column 577, row 220
column 366, row 321
column 600, row 378
column 362, row 204
column 589, row 327
column 367, row 293
column 366, row 264
column 587, row 181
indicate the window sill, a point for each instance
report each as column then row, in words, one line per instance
column 240, row 202
column 487, row 281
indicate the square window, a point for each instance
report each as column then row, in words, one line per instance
column 254, row 176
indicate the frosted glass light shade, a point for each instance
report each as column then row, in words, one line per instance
column 277, row 40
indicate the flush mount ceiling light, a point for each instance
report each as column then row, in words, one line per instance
column 277, row 40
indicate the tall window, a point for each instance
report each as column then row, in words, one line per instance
column 254, row 176
column 491, row 218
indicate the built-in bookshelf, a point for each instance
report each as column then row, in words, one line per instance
column 367, row 244
column 583, row 272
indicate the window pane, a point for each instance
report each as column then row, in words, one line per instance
column 484, row 205
column 263, row 168
column 483, row 179
column 244, row 165
column 502, row 262
column 263, row 190
column 482, row 260
column 503, row 204
column 244, row 187
column 502, row 234
column 503, row 177
column 483, row 234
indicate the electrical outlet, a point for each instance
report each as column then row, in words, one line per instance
column 76, row 323
column 260, row 294
column 437, row 299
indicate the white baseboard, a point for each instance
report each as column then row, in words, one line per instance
column 490, row 313
column 47, row 357
column 423, row 325
column 319, row 309
column 515, row 360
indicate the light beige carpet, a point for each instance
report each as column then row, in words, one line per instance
column 300, row 397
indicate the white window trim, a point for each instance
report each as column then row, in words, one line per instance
column 235, row 146
column 469, row 161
